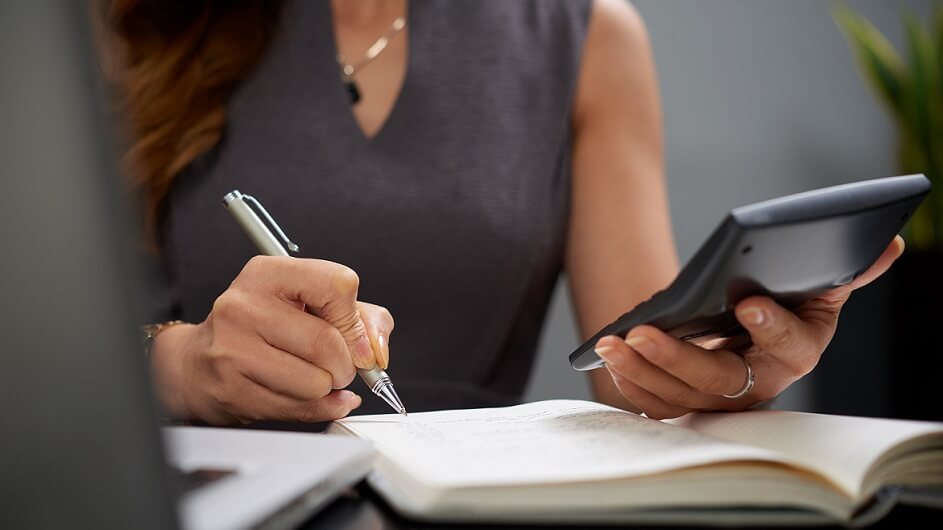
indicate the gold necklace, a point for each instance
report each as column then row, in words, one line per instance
column 349, row 70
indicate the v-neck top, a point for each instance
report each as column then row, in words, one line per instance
column 454, row 214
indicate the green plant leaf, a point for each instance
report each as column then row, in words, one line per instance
column 925, row 113
column 877, row 60
column 919, row 231
column 913, row 91
column 936, row 173
column 939, row 41
column 923, row 101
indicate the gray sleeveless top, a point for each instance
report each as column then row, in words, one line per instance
column 454, row 215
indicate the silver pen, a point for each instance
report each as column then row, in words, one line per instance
column 241, row 207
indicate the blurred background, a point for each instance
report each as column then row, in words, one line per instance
column 763, row 98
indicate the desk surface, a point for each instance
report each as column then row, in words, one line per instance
column 361, row 509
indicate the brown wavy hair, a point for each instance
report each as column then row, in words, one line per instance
column 171, row 66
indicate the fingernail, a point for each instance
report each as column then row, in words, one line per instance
column 642, row 345
column 753, row 315
column 606, row 352
column 383, row 356
column 364, row 353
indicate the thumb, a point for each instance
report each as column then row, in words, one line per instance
column 340, row 310
column 354, row 332
column 327, row 289
column 379, row 324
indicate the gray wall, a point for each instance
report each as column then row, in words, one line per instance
column 760, row 98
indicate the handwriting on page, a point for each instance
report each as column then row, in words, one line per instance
column 543, row 432
column 566, row 443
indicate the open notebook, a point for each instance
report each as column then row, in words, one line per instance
column 565, row 460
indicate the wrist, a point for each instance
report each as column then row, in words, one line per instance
column 168, row 353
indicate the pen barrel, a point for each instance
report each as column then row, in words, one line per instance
column 374, row 378
column 253, row 225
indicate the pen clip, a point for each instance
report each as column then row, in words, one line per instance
column 255, row 204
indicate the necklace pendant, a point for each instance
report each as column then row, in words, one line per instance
column 352, row 91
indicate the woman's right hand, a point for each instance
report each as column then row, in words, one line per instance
column 279, row 344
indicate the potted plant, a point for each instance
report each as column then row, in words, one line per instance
column 909, row 84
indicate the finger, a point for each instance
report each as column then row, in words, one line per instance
column 835, row 298
column 286, row 374
column 796, row 342
column 336, row 405
column 379, row 324
column 310, row 338
column 328, row 290
column 822, row 311
column 710, row 373
column 259, row 404
column 881, row 265
column 650, row 404
column 621, row 358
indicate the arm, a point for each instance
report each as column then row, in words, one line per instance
column 620, row 246
column 620, row 250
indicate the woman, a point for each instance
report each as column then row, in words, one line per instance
column 457, row 155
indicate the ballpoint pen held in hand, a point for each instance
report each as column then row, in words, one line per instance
column 241, row 208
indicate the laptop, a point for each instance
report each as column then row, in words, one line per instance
column 81, row 445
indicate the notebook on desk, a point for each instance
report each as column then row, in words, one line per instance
column 581, row 462
column 81, row 444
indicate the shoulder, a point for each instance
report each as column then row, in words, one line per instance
column 617, row 58
column 616, row 22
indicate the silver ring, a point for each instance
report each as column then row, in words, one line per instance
column 747, row 386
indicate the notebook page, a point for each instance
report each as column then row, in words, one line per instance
column 547, row 441
column 842, row 447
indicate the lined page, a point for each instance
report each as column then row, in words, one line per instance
column 547, row 441
column 842, row 447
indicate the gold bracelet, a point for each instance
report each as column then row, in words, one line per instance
column 152, row 330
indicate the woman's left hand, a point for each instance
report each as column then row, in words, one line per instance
column 665, row 377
